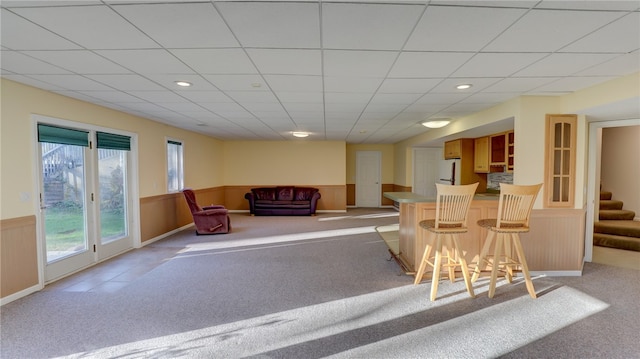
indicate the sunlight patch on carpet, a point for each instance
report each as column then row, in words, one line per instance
column 485, row 331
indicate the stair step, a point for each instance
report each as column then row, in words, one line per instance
column 610, row 204
column 618, row 228
column 616, row 214
column 605, row 195
column 619, row 242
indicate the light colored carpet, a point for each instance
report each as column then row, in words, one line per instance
column 320, row 287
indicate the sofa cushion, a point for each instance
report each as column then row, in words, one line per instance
column 284, row 193
column 304, row 193
column 265, row 193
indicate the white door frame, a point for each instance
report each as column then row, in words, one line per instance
column 593, row 176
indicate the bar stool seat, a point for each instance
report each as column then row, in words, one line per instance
column 514, row 211
column 452, row 208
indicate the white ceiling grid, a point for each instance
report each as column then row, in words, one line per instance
column 354, row 71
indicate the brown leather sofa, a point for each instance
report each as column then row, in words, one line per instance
column 283, row 201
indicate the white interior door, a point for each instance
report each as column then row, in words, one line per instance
column 368, row 186
column 426, row 163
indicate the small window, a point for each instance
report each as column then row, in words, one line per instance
column 175, row 172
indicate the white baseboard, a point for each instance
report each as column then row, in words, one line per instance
column 20, row 294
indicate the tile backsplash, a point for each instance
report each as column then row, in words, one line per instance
column 495, row 178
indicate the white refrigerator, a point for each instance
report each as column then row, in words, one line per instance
column 449, row 172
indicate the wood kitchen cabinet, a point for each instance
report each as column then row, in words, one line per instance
column 453, row 149
column 510, row 150
column 498, row 149
column 481, row 155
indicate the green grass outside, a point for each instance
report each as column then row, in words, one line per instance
column 65, row 227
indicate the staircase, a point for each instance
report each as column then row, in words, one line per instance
column 616, row 227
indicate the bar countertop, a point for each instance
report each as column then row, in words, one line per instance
column 410, row 197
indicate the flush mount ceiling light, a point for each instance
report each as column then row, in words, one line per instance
column 300, row 134
column 183, row 83
column 463, row 86
column 436, row 123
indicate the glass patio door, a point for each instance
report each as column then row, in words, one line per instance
column 63, row 200
column 84, row 197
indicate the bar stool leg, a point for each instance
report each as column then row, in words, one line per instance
column 483, row 254
column 508, row 257
column 495, row 265
column 525, row 268
column 463, row 267
column 423, row 265
column 436, row 268
column 452, row 258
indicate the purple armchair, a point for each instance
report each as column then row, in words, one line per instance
column 210, row 219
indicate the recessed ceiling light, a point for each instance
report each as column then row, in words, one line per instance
column 436, row 123
column 463, row 86
column 300, row 134
column 183, row 83
column 256, row 84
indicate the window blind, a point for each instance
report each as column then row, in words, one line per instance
column 112, row 141
column 61, row 135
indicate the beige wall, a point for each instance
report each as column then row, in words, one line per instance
column 19, row 102
column 284, row 163
column 387, row 159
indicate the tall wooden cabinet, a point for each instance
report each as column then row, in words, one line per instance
column 481, row 155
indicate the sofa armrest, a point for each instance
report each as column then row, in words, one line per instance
column 314, row 202
column 212, row 212
column 213, row 206
column 252, row 201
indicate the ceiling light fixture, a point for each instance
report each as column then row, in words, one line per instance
column 436, row 123
column 300, row 134
column 463, row 86
column 183, row 83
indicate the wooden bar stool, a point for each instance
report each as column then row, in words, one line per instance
column 452, row 207
column 514, row 211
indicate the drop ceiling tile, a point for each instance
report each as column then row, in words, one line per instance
column 441, row 98
column 525, row 4
column 160, row 97
column 549, row 30
column 351, row 84
column 619, row 66
column 370, row 26
column 450, row 28
column 237, row 82
column 287, row 61
column 79, row 61
column 621, row 36
column 127, row 82
column 21, row 63
column 216, row 61
column 497, row 64
column 489, row 98
column 252, row 96
column 344, row 97
column 428, row 64
column 113, row 96
column 262, row 106
column 186, row 25
column 181, row 107
column 276, row 25
column 100, row 28
column 590, row 5
column 304, row 107
column 300, row 97
column 149, row 61
column 570, row 84
column 20, row 34
column 222, row 108
column 74, row 82
column 395, row 98
column 408, row 85
column 206, row 96
column 560, row 64
column 385, row 109
column 31, row 81
column 358, row 63
column 519, row 84
column 288, row 83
